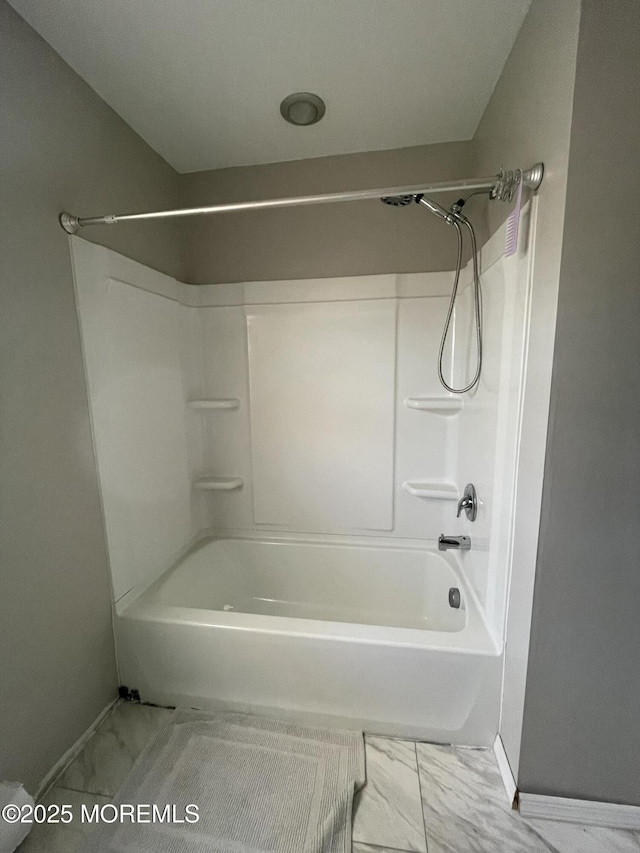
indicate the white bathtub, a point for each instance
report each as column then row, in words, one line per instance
column 355, row 635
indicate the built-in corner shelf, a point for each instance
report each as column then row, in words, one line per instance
column 441, row 405
column 432, row 489
column 218, row 484
column 232, row 403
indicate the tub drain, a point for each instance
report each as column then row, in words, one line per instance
column 454, row 597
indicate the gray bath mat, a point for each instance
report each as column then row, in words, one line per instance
column 261, row 786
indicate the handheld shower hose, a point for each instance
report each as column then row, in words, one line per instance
column 457, row 219
column 453, row 217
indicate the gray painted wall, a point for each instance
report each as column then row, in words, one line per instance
column 358, row 238
column 581, row 734
column 527, row 119
column 62, row 148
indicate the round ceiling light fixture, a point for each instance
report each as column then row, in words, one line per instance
column 302, row 108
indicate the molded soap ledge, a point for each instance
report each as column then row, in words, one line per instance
column 214, row 404
column 432, row 489
column 442, row 405
column 218, row 484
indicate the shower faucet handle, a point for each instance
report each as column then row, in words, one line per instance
column 468, row 502
column 463, row 504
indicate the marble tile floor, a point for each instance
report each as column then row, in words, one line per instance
column 419, row 798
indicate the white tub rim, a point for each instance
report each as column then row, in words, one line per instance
column 475, row 638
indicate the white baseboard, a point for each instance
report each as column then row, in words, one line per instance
column 508, row 779
column 587, row 812
column 61, row 765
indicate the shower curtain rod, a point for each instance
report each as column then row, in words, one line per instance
column 501, row 186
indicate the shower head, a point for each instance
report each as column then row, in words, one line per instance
column 419, row 198
column 398, row 200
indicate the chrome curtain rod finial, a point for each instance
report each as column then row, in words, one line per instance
column 69, row 223
column 532, row 178
column 507, row 182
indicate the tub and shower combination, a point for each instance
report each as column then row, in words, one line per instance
column 354, row 635
column 297, row 436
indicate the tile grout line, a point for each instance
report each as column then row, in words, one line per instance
column 424, row 823
column 83, row 791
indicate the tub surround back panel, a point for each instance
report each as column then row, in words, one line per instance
column 335, row 377
column 133, row 350
column 420, row 441
column 322, row 383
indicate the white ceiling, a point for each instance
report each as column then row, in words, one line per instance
column 201, row 80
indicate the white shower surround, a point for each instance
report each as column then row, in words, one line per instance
column 151, row 445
